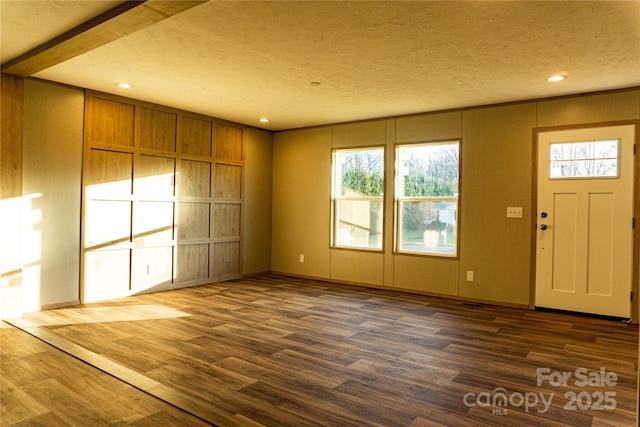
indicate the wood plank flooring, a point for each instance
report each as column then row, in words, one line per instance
column 43, row 386
column 281, row 351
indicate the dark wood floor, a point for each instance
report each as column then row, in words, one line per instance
column 280, row 351
column 43, row 386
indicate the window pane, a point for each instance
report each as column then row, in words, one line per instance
column 560, row 169
column 428, row 170
column 606, row 149
column 582, row 168
column 428, row 227
column 561, row 152
column 360, row 173
column 358, row 223
column 582, row 150
column 606, row 167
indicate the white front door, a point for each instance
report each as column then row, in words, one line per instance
column 584, row 220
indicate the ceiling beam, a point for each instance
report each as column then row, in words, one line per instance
column 124, row 19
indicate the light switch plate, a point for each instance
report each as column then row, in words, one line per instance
column 514, row 212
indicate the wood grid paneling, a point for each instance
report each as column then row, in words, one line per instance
column 107, row 222
column 227, row 218
column 196, row 136
column 113, row 123
column 158, row 130
column 162, row 198
column 228, row 142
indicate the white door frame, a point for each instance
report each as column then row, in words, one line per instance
column 636, row 208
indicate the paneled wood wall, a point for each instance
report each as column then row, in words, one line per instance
column 162, row 198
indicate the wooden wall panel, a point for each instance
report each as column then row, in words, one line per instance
column 227, row 259
column 107, row 210
column 152, row 170
column 151, row 267
column 228, row 183
column 12, row 133
column 196, row 137
column 195, row 179
column 158, row 130
column 193, row 262
column 107, row 272
column 108, row 174
column 155, row 177
column 152, row 223
column 111, row 123
column 193, row 220
column 107, row 224
column 228, row 142
column 226, row 220
column 153, row 220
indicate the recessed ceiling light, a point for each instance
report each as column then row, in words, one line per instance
column 556, row 78
column 124, row 85
column 264, row 120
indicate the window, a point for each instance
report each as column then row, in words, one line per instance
column 587, row 159
column 357, row 198
column 427, row 198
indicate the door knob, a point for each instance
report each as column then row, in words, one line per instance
column 543, row 214
column 543, row 226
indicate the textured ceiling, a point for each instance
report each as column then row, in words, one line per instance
column 244, row 60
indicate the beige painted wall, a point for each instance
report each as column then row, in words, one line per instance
column 589, row 109
column 301, row 190
column 52, row 171
column 257, row 203
column 496, row 173
column 497, row 169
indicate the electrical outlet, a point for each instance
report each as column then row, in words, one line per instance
column 470, row 276
column 514, row 212
column 301, row 257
